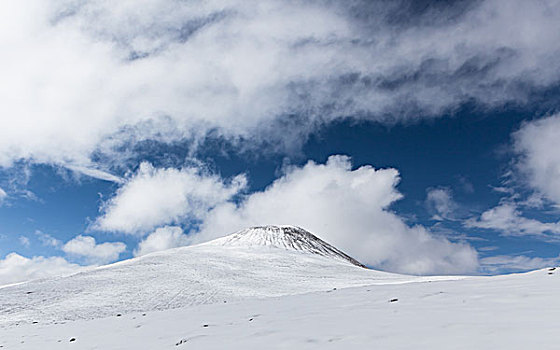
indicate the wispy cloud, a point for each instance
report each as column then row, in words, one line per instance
column 509, row 220
column 24, row 241
column 3, row 196
column 537, row 144
column 48, row 240
column 510, row 263
column 95, row 173
column 439, row 201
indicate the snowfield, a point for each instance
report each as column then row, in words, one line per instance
column 280, row 288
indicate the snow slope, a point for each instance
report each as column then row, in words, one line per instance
column 503, row 312
column 259, row 262
column 276, row 288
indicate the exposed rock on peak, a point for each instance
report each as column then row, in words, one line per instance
column 285, row 237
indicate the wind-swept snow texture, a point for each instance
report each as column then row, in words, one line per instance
column 504, row 312
column 276, row 288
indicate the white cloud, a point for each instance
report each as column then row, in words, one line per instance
column 154, row 197
column 509, row 263
column 94, row 253
column 48, row 240
column 349, row 209
column 510, row 221
column 163, row 238
column 3, row 195
column 83, row 76
column 440, row 202
column 95, row 173
column 466, row 184
column 24, row 241
column 538, row 145
column 16, row 268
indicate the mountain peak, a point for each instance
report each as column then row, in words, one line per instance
column 285, row 237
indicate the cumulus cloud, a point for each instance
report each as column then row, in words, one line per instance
column 514, row 263
column 154, row 197
column 440, row 202
column 538, row 145
column 349, row 209
column 16, row 268
column 163, row 238
column 111, row 73
column 509, row 220
column 94, row 253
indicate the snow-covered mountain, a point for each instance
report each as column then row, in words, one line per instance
column 276, row 287
column 284, row 237
column 257, row 262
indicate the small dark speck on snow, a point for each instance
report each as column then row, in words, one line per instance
column 205, row 325
column 72, row 340
column 393, row 300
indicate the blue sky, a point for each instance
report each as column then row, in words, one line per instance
column 396, row 131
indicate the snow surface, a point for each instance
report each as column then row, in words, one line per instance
column 228, row 294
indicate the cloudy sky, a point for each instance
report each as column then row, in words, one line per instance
column 418, row 136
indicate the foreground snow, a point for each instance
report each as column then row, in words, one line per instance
column 262, row 289
column 505, row 312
